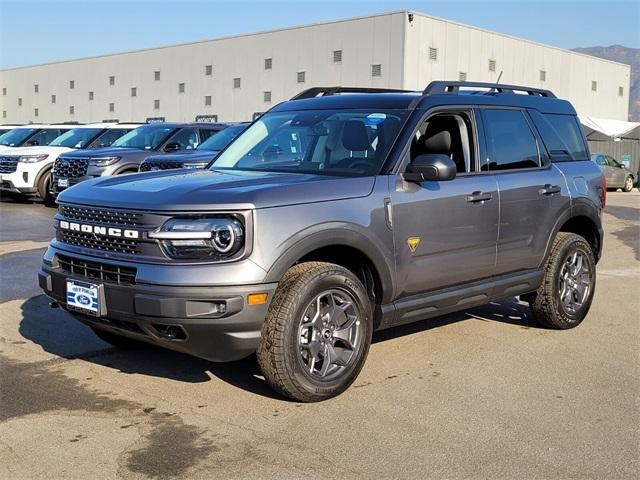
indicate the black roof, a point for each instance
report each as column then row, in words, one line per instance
column 436, row 93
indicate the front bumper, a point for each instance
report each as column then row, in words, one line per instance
column 147, row 311
column 23, row 180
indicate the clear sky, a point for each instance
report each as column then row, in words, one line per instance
column 38, row 31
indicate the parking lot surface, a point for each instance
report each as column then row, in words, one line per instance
column 484, row 393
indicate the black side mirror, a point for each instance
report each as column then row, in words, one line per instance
column 430, row 166
column 172, row 147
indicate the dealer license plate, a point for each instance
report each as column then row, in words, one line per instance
column 84, row 297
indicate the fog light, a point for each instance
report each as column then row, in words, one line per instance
column 25, row 177
column 257, row 298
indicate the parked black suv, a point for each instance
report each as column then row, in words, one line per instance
column 333, row 216
column 127, row 153
column 199, row 157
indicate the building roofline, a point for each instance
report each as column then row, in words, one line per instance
column 297, row 27
column 513, row 37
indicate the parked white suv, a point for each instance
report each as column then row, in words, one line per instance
column 31, row 135
column 27, row 170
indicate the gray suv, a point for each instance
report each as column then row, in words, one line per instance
column 333, row 216
column 127, row 153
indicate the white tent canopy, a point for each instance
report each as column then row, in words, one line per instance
column 602, row 129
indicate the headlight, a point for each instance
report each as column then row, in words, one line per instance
column 103, row 161
column 195, row 165
column 32, row 158
column 201, row 238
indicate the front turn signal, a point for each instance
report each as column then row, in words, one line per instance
column 257, row 298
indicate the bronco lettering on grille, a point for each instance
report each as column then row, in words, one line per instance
column 98, row 230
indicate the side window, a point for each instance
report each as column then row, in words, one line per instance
column 612, row 161
column 45, row 137
column 510, row 141
column 108, row 137
column 206, row 133
column 449, row 134
column 187, row 138
column 569, row 131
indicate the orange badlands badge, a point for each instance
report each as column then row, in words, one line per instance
column 413, row 243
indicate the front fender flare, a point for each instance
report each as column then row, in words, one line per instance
column 331, row 235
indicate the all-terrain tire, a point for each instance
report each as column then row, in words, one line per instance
column 548, row 308
column 279, row 353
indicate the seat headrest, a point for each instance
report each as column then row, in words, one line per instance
column 354, row 136
column 439, row 142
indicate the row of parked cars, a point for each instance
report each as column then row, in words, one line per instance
column 46, row 159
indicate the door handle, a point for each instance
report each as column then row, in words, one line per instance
column 549, row 189
column 478, row 197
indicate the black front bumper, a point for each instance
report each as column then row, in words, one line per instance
column 186, row 319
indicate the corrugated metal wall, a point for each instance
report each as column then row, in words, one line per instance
column 619, row 150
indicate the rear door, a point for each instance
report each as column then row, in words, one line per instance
column 532, row 191
column 617, row 173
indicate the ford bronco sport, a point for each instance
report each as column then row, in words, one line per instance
column 333, row 216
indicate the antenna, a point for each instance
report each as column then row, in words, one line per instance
column 499, row 77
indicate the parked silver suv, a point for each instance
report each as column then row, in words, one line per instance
column 333, row 216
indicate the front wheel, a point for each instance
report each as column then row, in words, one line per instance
column 628, row 184
column 44, row 189
column 317, row 332
column 566, row 293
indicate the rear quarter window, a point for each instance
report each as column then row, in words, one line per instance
column 562, row 135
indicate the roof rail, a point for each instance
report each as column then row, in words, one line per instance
column 443, row 87
column 327, row 91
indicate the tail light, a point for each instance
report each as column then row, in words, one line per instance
column 604, row 191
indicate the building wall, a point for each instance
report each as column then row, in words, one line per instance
column 468, row 49
column 364, row 42
column 401, row 48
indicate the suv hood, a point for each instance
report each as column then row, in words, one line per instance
column 204, row 190
column 39, row 150
column 185, row 156
column 110, row 152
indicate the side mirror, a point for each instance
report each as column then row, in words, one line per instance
column 172, row 147
column 430, row 166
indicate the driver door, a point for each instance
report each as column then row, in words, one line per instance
column 445, row 232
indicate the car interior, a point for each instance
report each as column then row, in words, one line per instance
column 446, row 134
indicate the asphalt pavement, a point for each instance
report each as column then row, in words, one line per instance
column 483, row 393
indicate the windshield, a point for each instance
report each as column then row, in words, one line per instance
column 220, row 140
column 15, row 137
column 147, row 137
column 322, row 142
column 76, row 138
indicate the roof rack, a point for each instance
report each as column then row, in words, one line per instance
column 327, row 91
column 443, row 87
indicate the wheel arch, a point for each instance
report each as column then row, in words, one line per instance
column 344, row 247
column 583, row 219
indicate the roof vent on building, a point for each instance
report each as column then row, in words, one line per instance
column 376, row 70
column 462, row 76
column 337, row 56
column 492, row 65
column 433, row 53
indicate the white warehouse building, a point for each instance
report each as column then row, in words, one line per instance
column 234, row 77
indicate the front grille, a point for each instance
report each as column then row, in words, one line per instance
column 101, row 216
column 161, row 165
column 107, row 244
column 8, row 164
column 104, row 272
column 70, row 167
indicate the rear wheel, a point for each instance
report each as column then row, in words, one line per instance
column 317, row 332
column 566, row 293
column 628, row 184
